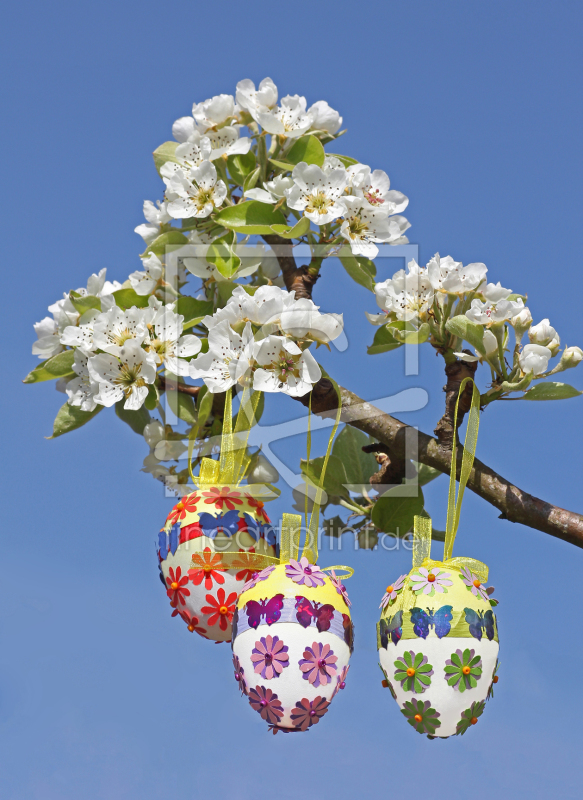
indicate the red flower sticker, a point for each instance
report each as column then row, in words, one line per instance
column 223, row 497
column 176, row 583
column 258, row 506
column 220, row 608
column 207, row 567
column 186, row 506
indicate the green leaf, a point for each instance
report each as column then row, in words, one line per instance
column 161, row 243
column 425, row 474
column 466, row 329
column 250, row 217
column 241, row 165
column 70, row 417
column 204, row 404
column 346, row 160
column 83, row 304
column 221, row 255
column 182, row 405
column 368, row 265
column 552, row 390
column 299, row 229
column 407, row 336
column 383, row 342
column 395, row 514
column 285, row 165
column 152, row 399
column 166, row 152
column 358, row 466
column 334, row 478
column 333, row 526
column 56, row 367
column 127, row 298
column 308, row 149
column 193, row 310
column 356, row 271
column 251, row 179
column 137, row 420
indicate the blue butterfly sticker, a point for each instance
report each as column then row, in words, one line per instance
column 440, row 620
column 478, row 621
column 391, row 629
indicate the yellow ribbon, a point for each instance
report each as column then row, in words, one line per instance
column 422, row 529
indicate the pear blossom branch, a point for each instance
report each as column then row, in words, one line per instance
column 514, row 504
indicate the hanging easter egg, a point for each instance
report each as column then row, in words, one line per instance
column 200, row 581
column 292, row 640
column 438, row 646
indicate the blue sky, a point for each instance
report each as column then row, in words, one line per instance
column 474, row 111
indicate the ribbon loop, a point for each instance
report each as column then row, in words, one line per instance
column 454, row 506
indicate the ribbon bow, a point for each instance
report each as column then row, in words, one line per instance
column 422, row 528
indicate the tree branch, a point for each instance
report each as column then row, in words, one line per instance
column 298, row 279
column 455, row 373
column 515, row 504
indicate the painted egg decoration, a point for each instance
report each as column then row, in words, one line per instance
column 438, row 647
column 292, row 641
column 202, row 589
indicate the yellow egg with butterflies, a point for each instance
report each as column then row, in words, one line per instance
column 438, row 646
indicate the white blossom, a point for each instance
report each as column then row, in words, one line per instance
column 375, row 187
column 494, row 292
column 290, row 119
column 363, row 225
column 196, row 193
column 534, row 358
column 325, row 118
column 215, row 112
column 522, row 321
column 253, row 100
column 49, row 331
column 283, row 367
column 156, row 215
column 146, row 282
column 447, row 275
column 317, row 192
column 227, row 361
column 81, row 391
column 115, row 328
column 490, row 313
column 167, row 344
column 125, row 374
column 274, row 190
column 80, row 336
column 571, row 357
column 408, row 294
column 261, row 470
column 302, row 320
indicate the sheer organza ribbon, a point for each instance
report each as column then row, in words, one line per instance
column 422, row 529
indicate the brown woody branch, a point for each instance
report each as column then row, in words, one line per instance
column 514, row 504
column 298, row 279
column 455, row 374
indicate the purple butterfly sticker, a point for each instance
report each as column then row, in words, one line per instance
column 270, row 609
column 306, row 611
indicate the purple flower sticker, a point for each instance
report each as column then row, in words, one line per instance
column 306, row 714
column 474, row 584
column 266, row 703
column 303, row 572
column 318, row 664
column 239, row 675
column 340, row 681
column 270, row 657
column 430, row 582
column 340, row 587
column 256, row 577
column 392, row 591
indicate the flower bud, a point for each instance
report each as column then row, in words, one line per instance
column 522, row 321
column 554, row 345
column 262, row 471
column 571, row 357
column 543, row 333
column 490, row 342
column 534, row 358
column 153, row 433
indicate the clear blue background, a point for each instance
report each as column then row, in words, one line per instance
column 474, row 110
